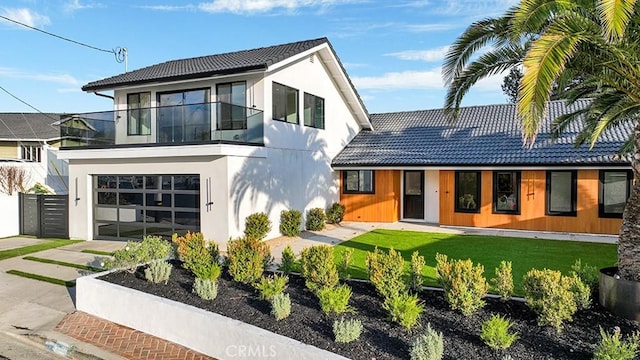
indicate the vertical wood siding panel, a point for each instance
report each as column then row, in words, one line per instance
column 383, row 206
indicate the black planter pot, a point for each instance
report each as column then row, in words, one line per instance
column 621, row 297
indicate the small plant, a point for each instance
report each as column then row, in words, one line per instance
column 39, row 188
column 288, row 260
column 428, row 346
column 581, row 293
column 139, row 252
column 588, row 274
column 281, row 306
column 247, row 259
column 417, row 266
column 495, row 333
column 315, row 219
column 206, row 289
column 346, row 331
column 271, row 286
column 318, row 267
column 613, row 347
column 385, row 272
column 209, row 271
column 405, row 309
column 335, row 299
column 548, row 293
column 463, row 283
column 257, row 226
column 158, row 271
column 335, row 213
column 196, row 254
column 503, row 282
column 345, row 263
column 290, row 222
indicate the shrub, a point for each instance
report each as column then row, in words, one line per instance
column 428, row 346
column 196, row 254
column 549, row 295
column 281, row 306
column 385, row 272
column 346, row 331
column 290, row 222
column 335, row 213
column 257, row 226
column 288, row 260
column 39, row 188
column 247, row 259
column 210, row 271
column 206, row 289
column 345, row 263
column 581, row 293
column 588, row 274
column 139, row 252
column 315, row 219
column 463, row 283
column 405, row 309
column 158, row 271
column 503, row 282
column 417, row 266
column 495, row 333
column 271, row 286
column 318, row 267
column 334, row 299
column 613, row 347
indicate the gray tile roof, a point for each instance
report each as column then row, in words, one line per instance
column 23, row 126
column 482, row 136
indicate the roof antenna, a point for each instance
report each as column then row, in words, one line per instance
column 122, row 56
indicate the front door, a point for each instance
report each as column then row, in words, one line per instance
column 413, row 194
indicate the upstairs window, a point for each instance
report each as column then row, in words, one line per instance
column 232, row 110
column 467, row 191
column 31, row 152
column 614, row 190
column 139, row 113
column 313, row 111
column 562, row 190
column 285, row 103
column 358, row 182
column 506, row 192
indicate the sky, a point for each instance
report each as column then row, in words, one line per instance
column 392, row 49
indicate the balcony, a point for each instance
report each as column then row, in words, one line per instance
column 205, row 123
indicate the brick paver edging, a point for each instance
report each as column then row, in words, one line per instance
column 121, row 340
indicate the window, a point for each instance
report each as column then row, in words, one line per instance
column 184, row 116
column 467, row 185
column 313, row 111
column 506, row 192
column 232, row 111
column 139, row 114
column 31, row 152
column 615, row 187
column 285, row 103
column 561, row 193
column 358, row 181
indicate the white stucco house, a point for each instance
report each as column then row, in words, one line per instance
column 199, row 144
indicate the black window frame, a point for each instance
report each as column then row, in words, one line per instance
column 478, row 195
column 226, row 118
column 359, row 191
column 518, row 185
column 138, row 111
column 601, row 176
column 574, row 194
column 313, row 121
column 285, row 104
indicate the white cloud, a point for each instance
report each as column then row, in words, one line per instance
column 430, row 55
column 261, row 6
column 411, row 79
column 430, row 27
column 168, row 7
column 64, row 79
column 351, row 66
column 75, row 5
column 473, row 8
column 25, row 16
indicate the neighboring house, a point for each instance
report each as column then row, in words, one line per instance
column 419, row 166
column 201, row 143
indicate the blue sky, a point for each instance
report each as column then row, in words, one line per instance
column 392, row 50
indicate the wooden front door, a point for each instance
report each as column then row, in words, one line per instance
column 413, row 194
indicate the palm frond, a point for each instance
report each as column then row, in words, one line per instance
column 615, row 16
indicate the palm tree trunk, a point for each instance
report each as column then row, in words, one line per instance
column 629, row 243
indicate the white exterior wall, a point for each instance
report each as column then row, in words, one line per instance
column 9, row 211
column 431, row 196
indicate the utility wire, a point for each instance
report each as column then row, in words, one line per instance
column 26, row 103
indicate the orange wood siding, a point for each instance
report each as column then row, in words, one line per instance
column 383, row 206
column 532, row 211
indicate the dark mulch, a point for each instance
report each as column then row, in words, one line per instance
column 382, row 339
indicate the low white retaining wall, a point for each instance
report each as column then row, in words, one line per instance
column 209, row 333
column 10, row 215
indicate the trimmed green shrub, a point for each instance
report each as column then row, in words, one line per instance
column 613, row 347
column 549, row 295
column 247, row 259
column 385, row 272
column 257, row 226
column 335, row 299
column 588, row 274
column 417, row 266
column 345, row 262
column 335, row 213
column 288, row 260
column 281, row 306
column 271, row 286
column 206, row 289
column 139, row 252
column 428, row 346
column 197, row 255
column 405, row 309
column 158, row 271
column 346, row 331
column 503, row 282
column 290, row 222
column 38, row 188
column 315, row 219
column 495, row 333
column 581, row 293
column 463, row 283
column 318, row 267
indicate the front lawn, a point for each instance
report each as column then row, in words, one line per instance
column 524, row 254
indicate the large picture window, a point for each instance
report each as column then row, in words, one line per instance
column 285, row 103
column 139, row 113
column 615, row 187
column 358, row 181
column 467, row 191
column 506, row 192
column 561, row 193
column 313, row 111
column 184, row 116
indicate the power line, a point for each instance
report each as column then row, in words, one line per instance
column 26, row 103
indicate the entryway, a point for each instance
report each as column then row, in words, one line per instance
column 413, row 197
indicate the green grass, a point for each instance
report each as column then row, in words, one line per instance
column 97, row 252
column 524, row 254
column 25, row 250
column 67, row 283
column 63, row 263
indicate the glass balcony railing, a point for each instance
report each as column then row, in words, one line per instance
column 179, row 124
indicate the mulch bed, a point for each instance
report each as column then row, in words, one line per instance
column 382, row 339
